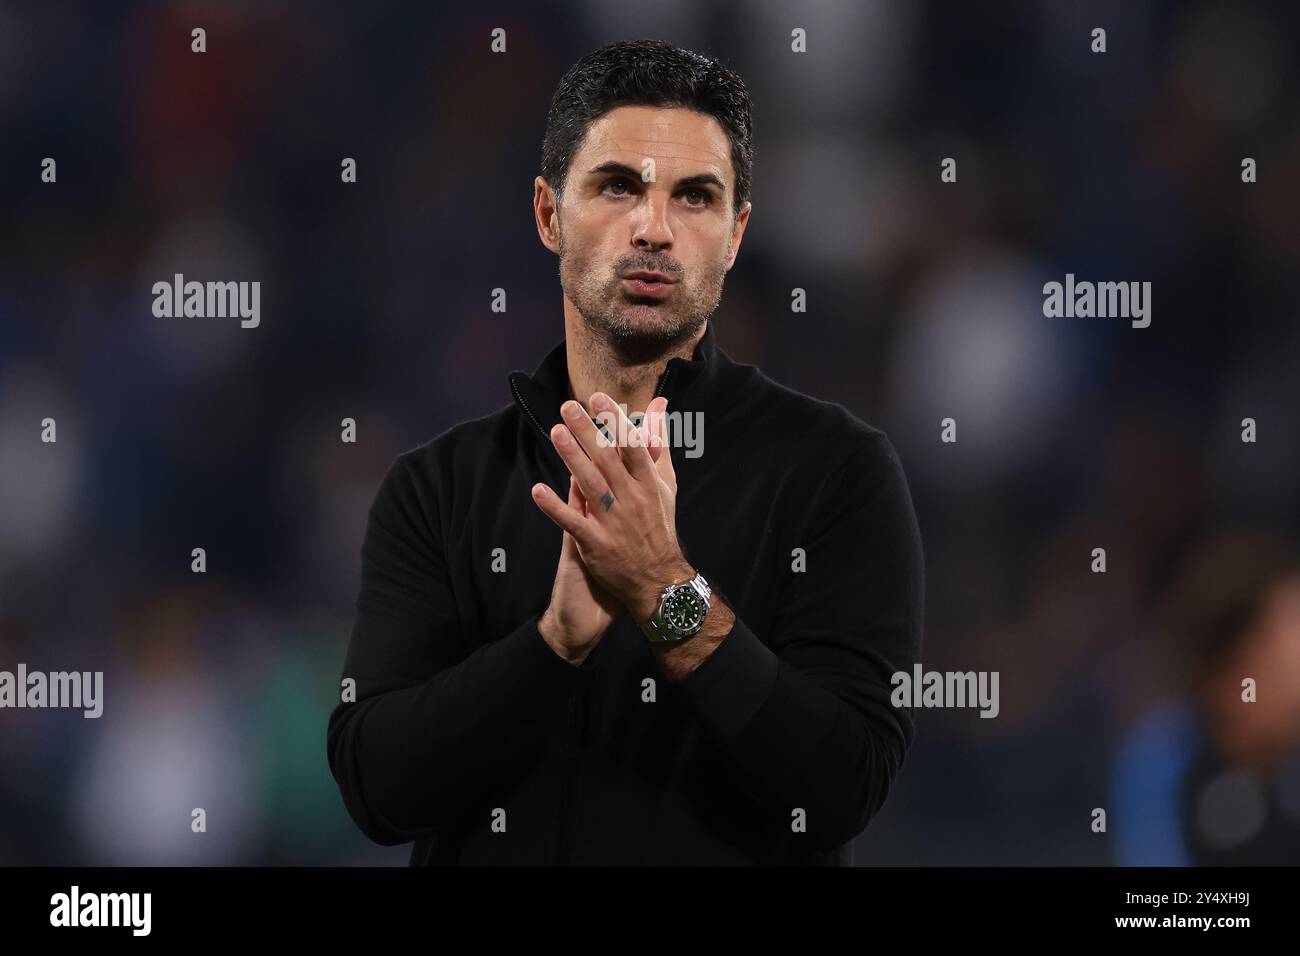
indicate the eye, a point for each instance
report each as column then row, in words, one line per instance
column 615, row 181
column 706, row 197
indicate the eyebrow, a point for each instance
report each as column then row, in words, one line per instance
column 699, row 179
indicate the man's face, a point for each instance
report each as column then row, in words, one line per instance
column 650, row 190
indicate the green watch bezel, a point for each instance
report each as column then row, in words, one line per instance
column 687, row 595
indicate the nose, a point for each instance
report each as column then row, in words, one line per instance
column 650, row 229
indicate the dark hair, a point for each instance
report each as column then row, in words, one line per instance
column 646, row 73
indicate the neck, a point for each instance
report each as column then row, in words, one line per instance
column 629, row 376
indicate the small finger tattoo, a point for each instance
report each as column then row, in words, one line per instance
column 607, row 500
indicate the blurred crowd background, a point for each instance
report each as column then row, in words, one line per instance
column 1119, row 690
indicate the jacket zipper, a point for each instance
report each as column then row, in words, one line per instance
column 566, row 774
column 528, row 411
column 570, row 762
column 663, row 380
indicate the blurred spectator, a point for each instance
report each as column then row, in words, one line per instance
column 1213, row 778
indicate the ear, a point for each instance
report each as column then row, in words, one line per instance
column 546, row 211
column 738, row 232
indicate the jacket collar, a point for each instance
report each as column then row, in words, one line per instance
column 540, row 395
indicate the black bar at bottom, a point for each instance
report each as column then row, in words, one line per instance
column 335, row 905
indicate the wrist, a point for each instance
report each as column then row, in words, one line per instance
column 570, row 651
column 678, row 572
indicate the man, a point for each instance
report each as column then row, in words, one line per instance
column 704, row 676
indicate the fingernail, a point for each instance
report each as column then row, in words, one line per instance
column 571, row 409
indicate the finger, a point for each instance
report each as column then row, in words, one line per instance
column 578, row 499
column 650, row 425
column 651, row 442
column 591, row 480
column 602, row 452
column 569, row 547
column 659, row 425
column 567, row 544
column 575, row 501
column 635, row 454
column 564, row 516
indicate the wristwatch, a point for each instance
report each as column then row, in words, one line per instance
column 681, row 611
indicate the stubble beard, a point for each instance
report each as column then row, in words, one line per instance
column 638, row 329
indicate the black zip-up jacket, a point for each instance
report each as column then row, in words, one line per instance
column 468, row 735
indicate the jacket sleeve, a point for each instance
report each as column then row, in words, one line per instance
column 803, row 713
column 433, row 724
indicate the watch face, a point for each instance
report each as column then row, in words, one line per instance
column 684, row 610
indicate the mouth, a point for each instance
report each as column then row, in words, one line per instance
column 648, row 283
